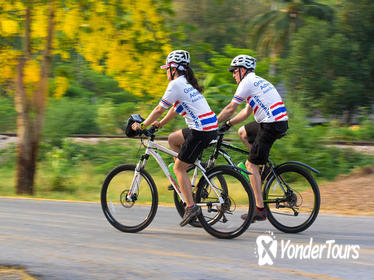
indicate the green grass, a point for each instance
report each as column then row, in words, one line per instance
column 76, row 171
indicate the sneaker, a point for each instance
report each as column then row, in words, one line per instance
column 189, row 214
column 259, row 215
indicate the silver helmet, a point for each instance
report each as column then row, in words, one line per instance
column 177, row 58
column 246, row 61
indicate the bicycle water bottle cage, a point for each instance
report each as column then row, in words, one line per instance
column 133, row 119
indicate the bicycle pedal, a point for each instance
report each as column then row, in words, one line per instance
column 170, row 188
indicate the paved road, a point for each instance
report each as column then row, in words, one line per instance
column 71, row 240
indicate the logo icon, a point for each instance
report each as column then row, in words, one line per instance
column 266, row 249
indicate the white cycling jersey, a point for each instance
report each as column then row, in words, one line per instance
column 190, row 104
column 262, row 96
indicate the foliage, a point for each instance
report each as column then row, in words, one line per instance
column 362, row 132
column 120, row 38
column 202, row 26
column 304, row 143
column 330, row 67
column 274, row 29
column 8, row 115
column 67, row 116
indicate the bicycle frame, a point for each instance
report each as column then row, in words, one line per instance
column 218, row 150
column 152, row 149
column 237, row 149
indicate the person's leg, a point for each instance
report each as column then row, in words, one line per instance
column 255, row 180
column 194, row 145
column 180, row 170
column 244, row 138
column 176, row 140
column 247, row 135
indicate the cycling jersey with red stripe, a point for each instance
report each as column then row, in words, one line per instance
column 190, row 104
column 262, row 96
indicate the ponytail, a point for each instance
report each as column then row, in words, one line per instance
column 190, row 77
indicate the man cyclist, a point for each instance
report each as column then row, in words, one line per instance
column 183, row 94
column 271, row 120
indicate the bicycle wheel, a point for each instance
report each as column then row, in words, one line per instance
column 129, row 215
column 224, row 221
column 297, row 209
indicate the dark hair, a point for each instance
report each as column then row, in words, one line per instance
column 190, row 77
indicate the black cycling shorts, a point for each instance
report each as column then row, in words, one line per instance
column 195, row 142
column 262, row 136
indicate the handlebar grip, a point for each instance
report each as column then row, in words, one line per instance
column 149, row 132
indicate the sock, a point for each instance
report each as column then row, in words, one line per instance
column 260, row 209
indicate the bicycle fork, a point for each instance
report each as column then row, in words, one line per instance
column 132, row 195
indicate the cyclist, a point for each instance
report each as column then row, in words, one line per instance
column 271, row 120
column 183, row 94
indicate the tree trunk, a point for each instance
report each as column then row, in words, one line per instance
column 31, row 111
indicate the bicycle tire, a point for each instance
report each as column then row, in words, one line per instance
column 113, row 199
column 307, row 187
column 230, row 223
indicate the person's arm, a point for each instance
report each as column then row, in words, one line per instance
column 242, row 115
column 169, row 116
column 156, row 113
column 227, row 112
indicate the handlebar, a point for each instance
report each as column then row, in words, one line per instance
column 149, row 132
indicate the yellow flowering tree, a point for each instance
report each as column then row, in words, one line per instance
column 124, row 39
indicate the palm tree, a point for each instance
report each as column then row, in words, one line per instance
column 272, row 31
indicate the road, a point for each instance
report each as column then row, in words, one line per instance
column 73, row 240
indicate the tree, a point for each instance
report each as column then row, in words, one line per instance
column 330, row 66
column 31, row 96
column 124, row 39
column 203, row 25
column 273, row 30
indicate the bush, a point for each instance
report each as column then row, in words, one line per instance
column 8, row 115
column 69, row 116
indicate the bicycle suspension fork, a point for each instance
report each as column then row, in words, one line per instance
column 132, row 195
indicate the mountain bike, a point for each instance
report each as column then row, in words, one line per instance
column 129, row 196
column 291, row 194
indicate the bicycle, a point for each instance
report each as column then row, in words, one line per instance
column 291, row 194
column 217, row 191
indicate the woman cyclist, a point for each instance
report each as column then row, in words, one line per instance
column 183, row 94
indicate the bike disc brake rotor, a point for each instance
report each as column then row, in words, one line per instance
column 128, row 203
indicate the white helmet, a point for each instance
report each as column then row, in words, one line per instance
column 243, row 60
column 177, row 58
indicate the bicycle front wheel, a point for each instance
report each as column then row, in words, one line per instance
column 223, row 219
column 129, row 212
column 296, row 208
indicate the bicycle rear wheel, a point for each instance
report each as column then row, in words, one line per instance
column 297, row 209
column 224, row 221
column 129, row 215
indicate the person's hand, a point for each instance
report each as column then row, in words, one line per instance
column 225, row 127
column 157, row 124
column 136, row 126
